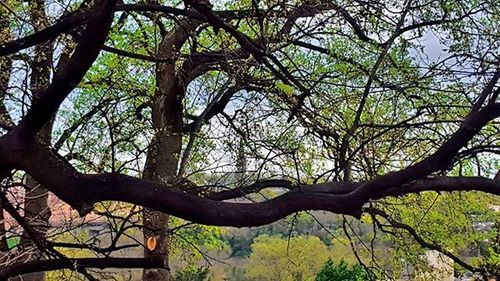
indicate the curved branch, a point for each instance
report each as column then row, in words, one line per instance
column 81, row 191
column 438, row 184
column 442, row 157
column 249, row 189
column 327, row 188
column 445, row 184
column 68, row 76
column 64, row 25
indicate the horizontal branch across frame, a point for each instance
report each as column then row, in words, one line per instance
column 78, row 264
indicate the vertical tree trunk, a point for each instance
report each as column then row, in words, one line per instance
column 5, row 71
column 37, row 211
column 163, row 155
column 5, row 66
column 163, row 158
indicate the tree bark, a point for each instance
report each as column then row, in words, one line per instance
column 37, row 211
column 5, row 68
column 163, row 155
column 5, row 120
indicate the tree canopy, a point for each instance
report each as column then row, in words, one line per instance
column 241, row 113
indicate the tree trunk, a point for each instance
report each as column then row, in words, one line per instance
column 5, row 72
column 163, row 158
column 5, row 67
column 37, row 211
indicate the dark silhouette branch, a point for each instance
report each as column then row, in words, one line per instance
column 62, row 26
column 69, row 75
column 79, row 264
column 443, row 156
column 39, row 160
column 134, row 55
column 442, row 183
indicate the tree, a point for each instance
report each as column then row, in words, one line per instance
column 342, row 271
column 342, row 106
column 275, row 258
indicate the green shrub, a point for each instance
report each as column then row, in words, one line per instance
column 343, row 272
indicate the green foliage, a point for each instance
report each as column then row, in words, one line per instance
column 287, row 89
column 297, row 258
column 240, row 240
column 190, row 243
column 240, row 245
column 492, row 262
column 342, row 272
column 192, row 273
column 430, row 213
column 237, row 274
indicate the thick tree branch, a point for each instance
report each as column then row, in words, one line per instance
column 440, row 184
column 64, row 25
column 218, row 106
column 327, row 188
column 236, row 14
column 38, row 160
column 253, row 47
column 354, row 24
column 444, row 184
column 68, row 76
column 444, row 155
column 79, row 264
